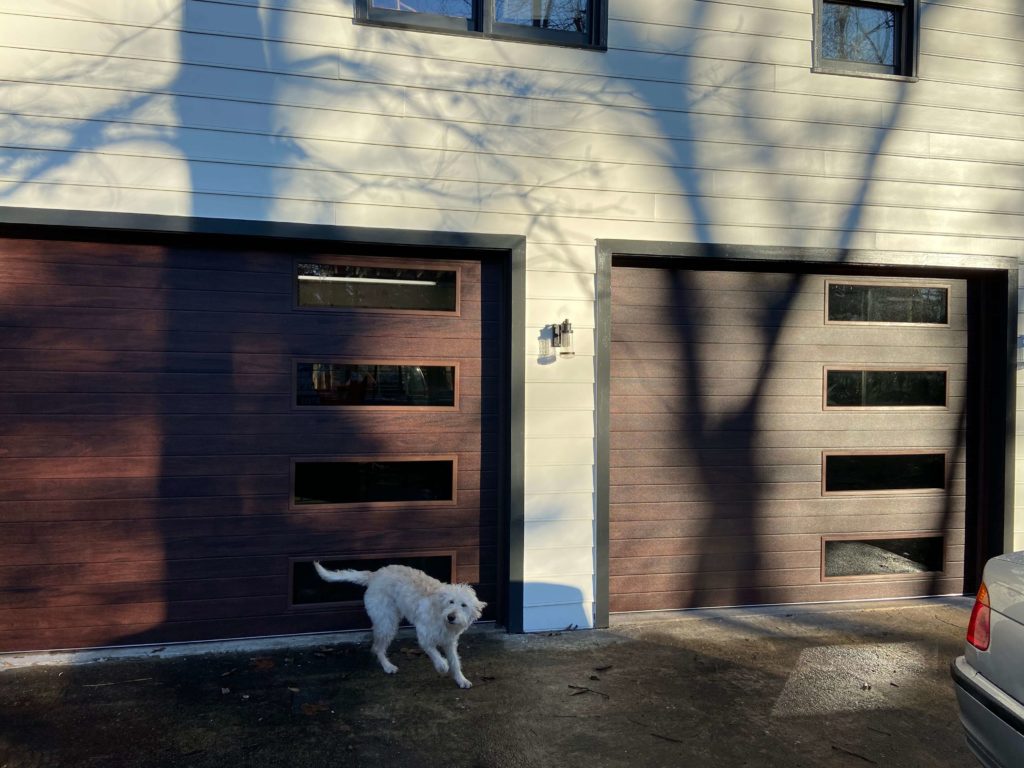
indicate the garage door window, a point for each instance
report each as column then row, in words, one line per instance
column 349, row 285
column 376, row 481
column 885, row 303
column 391, row 385
column 906, row 555
column 885, row 388
column 309, row 589
column 883, row 472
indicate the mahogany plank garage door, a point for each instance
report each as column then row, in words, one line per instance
column 183, row 429
column 784, row 438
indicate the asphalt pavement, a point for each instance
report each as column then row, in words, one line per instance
column 833, row 686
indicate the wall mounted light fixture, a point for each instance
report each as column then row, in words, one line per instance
column 561, row 339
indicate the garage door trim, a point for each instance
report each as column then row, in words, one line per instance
column 997, row 280
column 509, row 251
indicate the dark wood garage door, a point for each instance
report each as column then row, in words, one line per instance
column 184, row 428
column 784, row 438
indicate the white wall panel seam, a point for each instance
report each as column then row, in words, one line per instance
column 504, row 95
column 638, row 199
column 229, row 33
column 568, row 217
column 313, row 167
column 597, row 162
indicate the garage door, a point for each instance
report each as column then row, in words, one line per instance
column 184, row 429
column 784, row 438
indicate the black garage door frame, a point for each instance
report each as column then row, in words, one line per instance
column 508, row 250
column 992, row 282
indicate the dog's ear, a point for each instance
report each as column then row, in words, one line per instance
column 480, row 605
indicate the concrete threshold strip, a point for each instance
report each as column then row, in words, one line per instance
column 71, row 657
column 781, row 609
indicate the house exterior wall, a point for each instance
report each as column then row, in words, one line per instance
column 702, row 122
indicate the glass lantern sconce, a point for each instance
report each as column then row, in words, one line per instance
column 561, row 339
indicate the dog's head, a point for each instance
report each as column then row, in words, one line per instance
column 459, row 605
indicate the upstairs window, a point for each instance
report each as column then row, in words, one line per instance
column 578, row 23
column 876, row 37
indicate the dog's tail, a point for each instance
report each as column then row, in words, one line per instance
column 355, row 577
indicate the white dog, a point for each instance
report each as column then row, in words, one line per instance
column 439, row 612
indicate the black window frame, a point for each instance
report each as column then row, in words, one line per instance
column 920, row 490
column 869, row 369
column 358, row 561
column 890, row 283
column 905, row 41
column 394, row 264
column 326, row 506
column 403, row 408
column 872, row 537
column 483, row 24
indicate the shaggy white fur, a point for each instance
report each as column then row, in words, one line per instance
column 440, row 612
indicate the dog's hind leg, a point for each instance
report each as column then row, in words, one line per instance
column 385, row 627
column 455, row 665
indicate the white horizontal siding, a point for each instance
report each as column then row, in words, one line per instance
column 578, row 505
column 702, row 122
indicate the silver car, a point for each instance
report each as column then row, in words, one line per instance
column 989, row 676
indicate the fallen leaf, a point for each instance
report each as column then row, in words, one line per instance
column 263, row 664
column 314, row 708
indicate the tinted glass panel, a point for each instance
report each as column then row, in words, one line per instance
column 566, row 15
column 356, row 482
column 888, row 303
column 353, row 286
column 381, row 385
column 462, row 9
column 308, row 587
column 885, row 472
column 886, row 388
column 880, row 557
column 860, row 34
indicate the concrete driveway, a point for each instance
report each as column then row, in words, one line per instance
column 811, row 686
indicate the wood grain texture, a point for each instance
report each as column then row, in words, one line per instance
column 147, row 431
column 717, row 433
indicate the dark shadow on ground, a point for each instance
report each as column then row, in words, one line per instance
column 689, row 692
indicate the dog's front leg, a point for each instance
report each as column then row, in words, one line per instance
column 429, row 646
column 455, row 665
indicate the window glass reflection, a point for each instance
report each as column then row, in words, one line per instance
column 357, row 286
column 460, row 9
column 878, row 389
column 566, row 15
column 885, row 472
column 372, row 384
column 857, row 33
column 309, row 588
column 881, row 557
column 866, row 303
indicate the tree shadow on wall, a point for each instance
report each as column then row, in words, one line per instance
column 478, row 145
